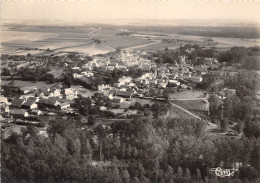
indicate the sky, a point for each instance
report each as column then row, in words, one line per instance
column 90, row 11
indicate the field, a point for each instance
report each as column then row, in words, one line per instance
column 21, row 40
column 20, row 83
column 196, row 105
column 187, row 94
column 14, row 128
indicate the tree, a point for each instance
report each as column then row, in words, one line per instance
column 152, row 92
column 6, row 72
column 100, row 99
column 214, row 107
column 198, row 174
column 135, row 180
column 224, row 123
column 91, row 120
column 158, row 109
column 30, row 131
column 50, row 78
column 187, row 174
column 56, row 127
column 125, row 176
column 180, row 171
column 100, row 132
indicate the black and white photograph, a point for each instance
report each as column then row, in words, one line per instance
column 130, row 91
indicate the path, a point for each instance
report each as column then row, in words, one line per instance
column 188, row 112
column 189, row 99
column 143, row 45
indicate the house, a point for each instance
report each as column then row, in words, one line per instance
column 44, row 92
column 70, row 94
column 88, row 74
column 3, row 100
column 232, row 73
column 29, row 105
column 75, row 88
column 17, row 103
column 76, row 69
column 64, row 105
column 110, row 68
column 125, row 80
column 112, row 92
column 229, row 92
column 55, row 92
column 163, row 68
column 125, row 94
column 117, row 99
column 195, row 79
column 34, row 99
column 76, row 76
column 146, row 67
column 162, row 85
column 27, row 89
column 182, row 59
column 173, row 83
column 19, row 113
column 36, row 112
column 51, row 102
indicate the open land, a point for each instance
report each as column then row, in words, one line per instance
column 21, row 40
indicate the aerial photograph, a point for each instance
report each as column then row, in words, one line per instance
column 130, row 91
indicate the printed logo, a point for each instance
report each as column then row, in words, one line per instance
column 224, row 172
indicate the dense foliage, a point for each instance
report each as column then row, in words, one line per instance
column 143, row 150
column 172, row 56
column 247, row 57
column 38, row 74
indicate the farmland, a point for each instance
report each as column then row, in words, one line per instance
column 19, row 83
column 21, row 40
column 188, row 94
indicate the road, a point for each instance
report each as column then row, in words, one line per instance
column 143, row 45
column 189, row 99
column 188, row 112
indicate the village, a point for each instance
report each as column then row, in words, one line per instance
column 152, row 82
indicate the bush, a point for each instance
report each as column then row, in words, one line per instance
column 6, row 72
column 41, row 124
column 108, row 114
column 91, row 120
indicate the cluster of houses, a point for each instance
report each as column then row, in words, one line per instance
column 34, row 101
column 121, row 60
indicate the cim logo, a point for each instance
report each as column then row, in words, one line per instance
column 224, row 172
